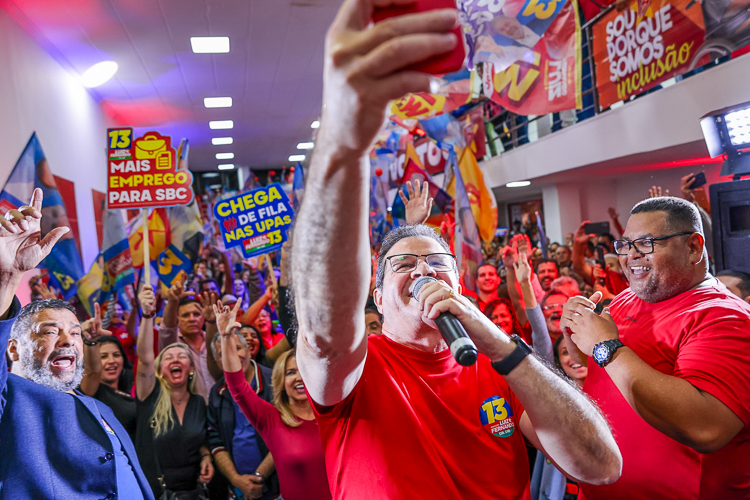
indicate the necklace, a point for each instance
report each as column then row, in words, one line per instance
column 178, row 401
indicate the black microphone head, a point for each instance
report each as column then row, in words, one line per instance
column 419, row 283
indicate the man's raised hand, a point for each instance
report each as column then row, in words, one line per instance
column 419, row 202
column 226, row 319
column 208, row 300
column 177, row 292
column 147, row 299
column 365, row 67
column 92, row 328
column 21, row 245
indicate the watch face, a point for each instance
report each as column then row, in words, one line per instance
column 601, row 353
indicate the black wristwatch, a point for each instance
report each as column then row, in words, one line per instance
column 90, row 343
column 604, row 351
column 509, row 362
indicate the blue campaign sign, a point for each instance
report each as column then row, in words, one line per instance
column 256, row 221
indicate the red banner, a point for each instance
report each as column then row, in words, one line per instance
column 647, row 43
column 142, row 172
column 548, row 78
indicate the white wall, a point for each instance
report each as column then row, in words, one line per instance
column 38, row 94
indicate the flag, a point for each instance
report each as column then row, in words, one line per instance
column 414, row 173
column 173, row 265
column 32, row 171
column 485, row 214
column 159, row 236
column 185, row 221
column 466, row 241
column 298, row 186
column 117, row 259
column 379, row 223
column 89, row 286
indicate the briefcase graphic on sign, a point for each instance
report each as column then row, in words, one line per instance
column 154, row 146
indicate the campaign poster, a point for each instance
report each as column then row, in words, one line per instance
column 256, row 221
column 645, row 44
column 142, row 172
column 548, row 78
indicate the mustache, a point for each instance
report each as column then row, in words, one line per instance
column 65, row 351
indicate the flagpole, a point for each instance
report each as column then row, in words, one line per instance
column 146, row 249
column 270, row 269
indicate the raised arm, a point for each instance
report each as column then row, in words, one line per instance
column 249, row 316
column 207, row 301
column 580, row 240
column 92, row 360
column 364, row 69
column 168, row 331
column 145, row 379
column 539, row 333
column 418, row 203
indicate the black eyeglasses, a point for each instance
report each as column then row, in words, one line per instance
column 643, row 245
column 407, row 262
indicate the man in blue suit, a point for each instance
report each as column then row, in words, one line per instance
column 55, row 442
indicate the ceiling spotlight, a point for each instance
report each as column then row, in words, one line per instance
column 217, row 102
column 224, row 156
column 315, row 124
column 99, row 74
column 518, row 184
column 221, row 141
column 305, row 145
column 226, row 166
column 297, row 158
column 221, row 124
column 210, row 44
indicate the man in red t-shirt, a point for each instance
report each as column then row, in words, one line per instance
column 487, row 283
column 399, row 418
column 672, row 369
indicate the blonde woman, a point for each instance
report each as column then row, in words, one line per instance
column 288, row 426
column 171, row 437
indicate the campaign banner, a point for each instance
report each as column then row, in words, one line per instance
column 503, row 32
column 647, row 43
column 256, row 221
column 548, row 78
column 142, row 172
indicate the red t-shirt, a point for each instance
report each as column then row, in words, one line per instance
column 702, row 336
column 419, row 425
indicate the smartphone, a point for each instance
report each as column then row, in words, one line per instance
column 439, row 65
column 596, row 228
column 699, row 180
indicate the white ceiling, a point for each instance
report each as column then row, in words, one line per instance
column 273, row 71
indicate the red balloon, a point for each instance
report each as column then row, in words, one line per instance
column 291, row 170
column 378, row 172
column 271, row 172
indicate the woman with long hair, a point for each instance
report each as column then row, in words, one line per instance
column 171, row 437
column 107, row 372
column 288, row 426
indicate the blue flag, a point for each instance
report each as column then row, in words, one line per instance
column 298, row 186
column 32, row 171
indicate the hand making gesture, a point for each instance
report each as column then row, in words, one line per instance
column 418, row 203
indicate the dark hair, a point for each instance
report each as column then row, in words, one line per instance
column 547, row 261
column 373, row 310
column 490, row 308
column 398, row 234
column 261, row 356
column 25, row 318
column 743, row 285
column 207, row 280
column 187, row 300
column 125, row 382
column 681, row 214
column 556, row 355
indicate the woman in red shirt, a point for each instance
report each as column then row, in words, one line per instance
column 288, row 426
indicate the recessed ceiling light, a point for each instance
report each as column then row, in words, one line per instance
column 224, row 156
column 220, row 124
column 518, row 184
column 297, row 158
column 210, row 175
column 315, row 124
column 305, row 145
column 217, row 102
column 99, row 74
column 220, row 141
column 226, row 166
column 210, row 44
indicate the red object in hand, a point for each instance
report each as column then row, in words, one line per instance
column 441, row 64
column 378, row 172
column 271, row 173
column 291, row 170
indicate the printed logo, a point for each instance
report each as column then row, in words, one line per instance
column 497, row 416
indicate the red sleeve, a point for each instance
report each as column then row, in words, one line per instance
column 260, row 413
column 715, row 358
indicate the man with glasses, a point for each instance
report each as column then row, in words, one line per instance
column 399, row 418
column 672, row 363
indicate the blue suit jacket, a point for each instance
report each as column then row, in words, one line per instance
column 52, row 445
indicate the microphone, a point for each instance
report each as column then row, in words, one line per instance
column 461, row 346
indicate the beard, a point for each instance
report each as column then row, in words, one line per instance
column 39, row 371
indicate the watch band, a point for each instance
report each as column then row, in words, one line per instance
column 509, row 362
column 611, row 345
column 148, row 316
column 91, row 343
